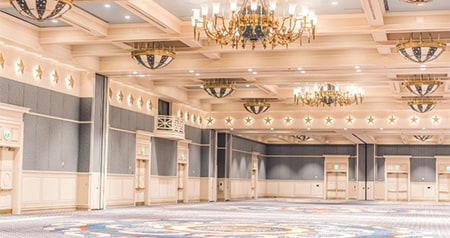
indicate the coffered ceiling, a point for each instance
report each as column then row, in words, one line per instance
column 355, row 44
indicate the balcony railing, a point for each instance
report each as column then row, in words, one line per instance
column 170, row 126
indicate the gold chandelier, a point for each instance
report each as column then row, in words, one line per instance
column 152, row 56
column 421, row 51
column 327, row 95
column 254, row 21
column 417, row 2
column 42, row 10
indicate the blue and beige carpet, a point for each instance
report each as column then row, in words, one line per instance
column 249, row 218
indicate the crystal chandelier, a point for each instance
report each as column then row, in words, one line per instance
column 422, row 85
column 42, row 10
column 254, row 21
column 256, row 106
column 219, row 88
column 421, row 51
column 151, row 56
column 422, row 104
column 327, row 95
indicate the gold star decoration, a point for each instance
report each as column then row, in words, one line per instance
column 110, row 93
column 349, row 120
column 436, row 119
column 308, row 120
column 55, row 77
column 267, row 120
column 130, row 100
column 288, row 120
column 149, row 105
column 38, row 72
column 69, row 82
column 209, row 120
column 392, row 120
column 371, row 120
column 2, row 61
column 140, row 102
column 180, row 113
column 228, row 120
column 20, row 66
column 329, row 120
column 248, row 120
column 194, row 118
column 413, row 119
column 187, row 116
column 120, row 96
column 200, row 120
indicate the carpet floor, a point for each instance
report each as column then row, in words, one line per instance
column 246, row 218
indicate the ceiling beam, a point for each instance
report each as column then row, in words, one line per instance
column 85, row 21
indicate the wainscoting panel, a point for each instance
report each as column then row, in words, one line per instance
column 241, row 189
column 163, row 189
column 379, row 190
column 48, row 190
column 120, row 190
column 423, row 191
column 294, row 188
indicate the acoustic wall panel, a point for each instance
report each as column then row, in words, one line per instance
column 84, row 147
column 3, row 90
column 114, row 117
column 29, row 142
column 423, row 169
column 69, row 146
column 81, row 111
column 54, row 149
column 15, row 93
column 193, row 134
column 30, row 97
column 380, row 169
column 413, row 150
column 132, row 121
column 56, row 107
column 164, row 155
column 194, row 160
column 42, row 141
column 44, row 102
column 205, row 161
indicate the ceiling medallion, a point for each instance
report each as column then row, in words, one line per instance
column 421, row 51
column 152, row 56
column 327, row 95
column 423, row 137
column 256, row 106
column 219, row 88
column 422, row 85
column 42, row 10
column 254, row 21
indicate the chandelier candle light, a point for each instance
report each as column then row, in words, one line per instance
column 254, row 21
column 42, row 10
column 327, row 95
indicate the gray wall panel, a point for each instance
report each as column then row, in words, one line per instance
column 56, row 107
column 42, row 140
column 30, row 97
column 423, row 169
column 84, row 149
column 140, row 121
column 194, row 134
column 54, row 148
column 261, row 167
column 205, row 161
column 124, row 114
column 114, row 116
column 29, row 142
column 114, row 151
column 164, row 154
column 352, row 169
column 132, row 121
column 221, row 163
column 149, row 123
column 3, row 90
column 206, row 136
column 43, row 104
column 84, row 107
column 69, row 146
column 15, row 93
column 380, row 172
column 194, row 160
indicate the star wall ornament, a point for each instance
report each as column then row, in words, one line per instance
column 329, row 120
column 119, row 96
column 20, row 66
column 308, row 120
column 392, row 120
column 248, row 120
column 130, row 100
column 371, row 120
column 38, row 72
column 140, row 102
column 349, row 120
column 413, row 120
column 288, row 120
column 229, row 120
column 200, row 120
column 2, row 61
column 436, row 119
column 55, row 77
column 149, row 105
column 70, row 82
column 268, row 120
column 209, row 121
column 110, row 93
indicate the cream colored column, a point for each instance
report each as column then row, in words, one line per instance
column 143, row 167
column 254, row 178
column 443, row 178
column 397, row 179
column 11, row 143
column 336, row 177
column 182, row 170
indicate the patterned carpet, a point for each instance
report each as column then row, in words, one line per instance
column 249, row 218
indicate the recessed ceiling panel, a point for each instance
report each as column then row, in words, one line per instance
column 183, row 8
column 53, row 23
column 110, row 12
column 401, row 6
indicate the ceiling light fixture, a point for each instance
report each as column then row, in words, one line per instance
column 256, row 106
column 423, row 137
column 422, row 85
column 42, row 10
column 219, row 88
column 420, row 51
column 422, row 104
column 302, row 137
column 152, row 56
column 254, row 21
column 327, row 95
column 417, row 2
